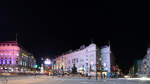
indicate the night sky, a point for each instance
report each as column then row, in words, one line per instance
column 47, row 29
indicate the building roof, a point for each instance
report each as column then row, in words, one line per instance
column 71, row 51
column 8, row 42
column 17, row 44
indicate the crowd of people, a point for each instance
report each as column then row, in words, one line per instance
column 102, row 75
column 110, row 75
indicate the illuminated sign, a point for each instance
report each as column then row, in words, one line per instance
column 23, row 54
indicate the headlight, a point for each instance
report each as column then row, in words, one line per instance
column 126, row 76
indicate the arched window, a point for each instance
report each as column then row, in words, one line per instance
column 10, row 62
column 16, row 62
column 1, row 61
column 5, row 61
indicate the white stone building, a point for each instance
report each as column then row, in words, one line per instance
column 14, row 58
column 106, row 58
column 85, row 59
column 144, row 65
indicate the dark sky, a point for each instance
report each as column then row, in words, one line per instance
column 50, row 28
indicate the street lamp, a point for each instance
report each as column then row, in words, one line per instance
column 47, row 61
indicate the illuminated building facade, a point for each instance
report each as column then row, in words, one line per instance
column 105, row 55
column 142, row 66
column 86, row 59
column 14, row 58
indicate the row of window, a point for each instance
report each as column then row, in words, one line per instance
column 8, row 44
column 8, row 50
column 5, row 62
column 6, row 58
column 76, row 60
column 7, row 55
column 10, row 62
column 24, row 63
column 81, row 60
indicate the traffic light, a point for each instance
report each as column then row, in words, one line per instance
column 49, row 67
column 35, row 66
column 114, row 68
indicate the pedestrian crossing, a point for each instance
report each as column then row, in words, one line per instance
column 54, row 78
column 70, row 79
column 82, row 79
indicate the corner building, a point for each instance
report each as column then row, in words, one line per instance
column 14, row 58
column 87, row 60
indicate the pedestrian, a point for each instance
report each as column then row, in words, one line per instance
column 103, row 75
column 107, row 75
column 89, row 76
column 110, row 75
column 62, row 74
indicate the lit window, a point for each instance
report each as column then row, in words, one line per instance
column 5, row 61
column 86, row 64
column 69, row 61
column 77, row 60
column 17, row 54
column 100, row 59
column 16, row 62
column 6, row 54
column 13, row 44
column 2, row 61
column 10, row 62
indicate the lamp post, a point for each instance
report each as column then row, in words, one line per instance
column 47, row 63
column 96, row 70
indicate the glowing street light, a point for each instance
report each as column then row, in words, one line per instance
column 47, row 61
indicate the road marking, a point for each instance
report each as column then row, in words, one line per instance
column 83, row 82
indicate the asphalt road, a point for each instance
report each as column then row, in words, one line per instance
column 56, row 80
column 86, row 81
